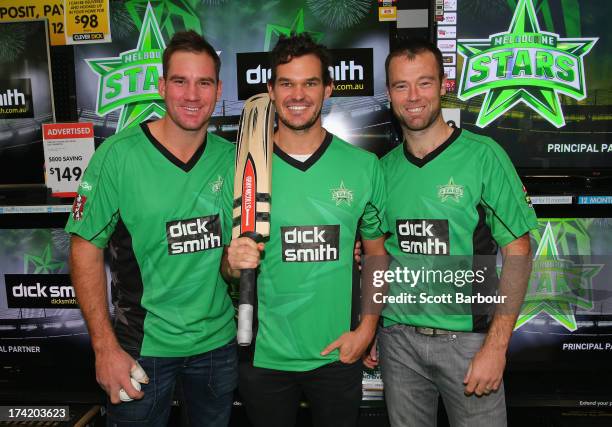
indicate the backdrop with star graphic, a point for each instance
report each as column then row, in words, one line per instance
column 116, row 82
column 533, row 75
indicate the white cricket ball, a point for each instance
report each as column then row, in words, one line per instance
column 124, row 396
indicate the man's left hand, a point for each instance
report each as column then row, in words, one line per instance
column 352, row 345
column 485, row 372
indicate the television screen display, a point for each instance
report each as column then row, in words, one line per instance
column 533, row 75
column 562, row 342
column 26, row 101
column 45, row 347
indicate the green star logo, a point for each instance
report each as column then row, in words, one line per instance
column 524, row 64
column 297, row 27
column 129, row 82
column 170, row 13
column 557, row 285
column 342, row 195
column 450, row 190
column 42, row 264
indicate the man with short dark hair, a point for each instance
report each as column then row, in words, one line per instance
column 155, row 194
column 453, row 199
column 310, row 339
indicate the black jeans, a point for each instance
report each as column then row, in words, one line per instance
column 271, row 397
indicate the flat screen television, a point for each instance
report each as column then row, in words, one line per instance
column 45, row 349
column 533, row 75
column 560, row 351
column 26, row 101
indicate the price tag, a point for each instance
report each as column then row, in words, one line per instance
column 68, row 148
column 53, row 10
column 87, row 21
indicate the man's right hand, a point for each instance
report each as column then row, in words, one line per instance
column 243, row 253
column 370, row 358
column 113, row 368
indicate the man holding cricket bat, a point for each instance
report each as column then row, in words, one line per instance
column 324, row 190
column 155, row 195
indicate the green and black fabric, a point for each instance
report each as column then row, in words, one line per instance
column 461, row 200
column 163, row 222
column 305, row 284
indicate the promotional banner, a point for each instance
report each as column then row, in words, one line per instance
column 26, row 100
column 68, row 148
column 533, row 75
column 117, row 82
column 87, row 21
column 53, row 10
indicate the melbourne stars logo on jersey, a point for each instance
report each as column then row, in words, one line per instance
column 450, row 191
column 523, row 64
column 342, row 195
column 193, row 235
column 423, row 236
column 310, row 243
column 217, row 186
column 557, row 285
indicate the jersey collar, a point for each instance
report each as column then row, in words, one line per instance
column 435, row 153
column 186, row 167
column 304, row 166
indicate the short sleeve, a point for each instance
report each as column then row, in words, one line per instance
column 373, row 222
column 505, row 199
column 95, row 211
column 227, row 200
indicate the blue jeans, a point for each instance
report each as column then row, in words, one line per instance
column 208, row 382
column 416, row 369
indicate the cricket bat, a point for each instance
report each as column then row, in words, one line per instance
column 252, row 194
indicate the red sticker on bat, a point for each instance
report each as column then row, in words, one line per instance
column 249, row 187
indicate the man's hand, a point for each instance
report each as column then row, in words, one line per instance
column 351, row 344
column 370, row 358
column 242, row 253
column 357, row 253
column 113, row 369
column 485, row 372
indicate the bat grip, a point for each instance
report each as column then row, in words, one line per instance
column 248, row 280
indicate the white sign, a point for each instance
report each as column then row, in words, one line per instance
column 449, row 32
column 450, row 5
column 68, row 148
column 447, row 45
column 551, row 200
column 450, row 18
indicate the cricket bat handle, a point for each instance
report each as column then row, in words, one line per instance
column 248, row 279
column 245, row 307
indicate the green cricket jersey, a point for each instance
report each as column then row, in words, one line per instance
column 462, row 199
column 164, row 224
column 305, row 285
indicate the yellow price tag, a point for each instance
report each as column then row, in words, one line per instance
column 87, row 21
column 53, row 10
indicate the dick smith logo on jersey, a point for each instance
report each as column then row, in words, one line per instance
column 193, row 235
column 423, row 236
column 351, row 69
column 310, row 243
